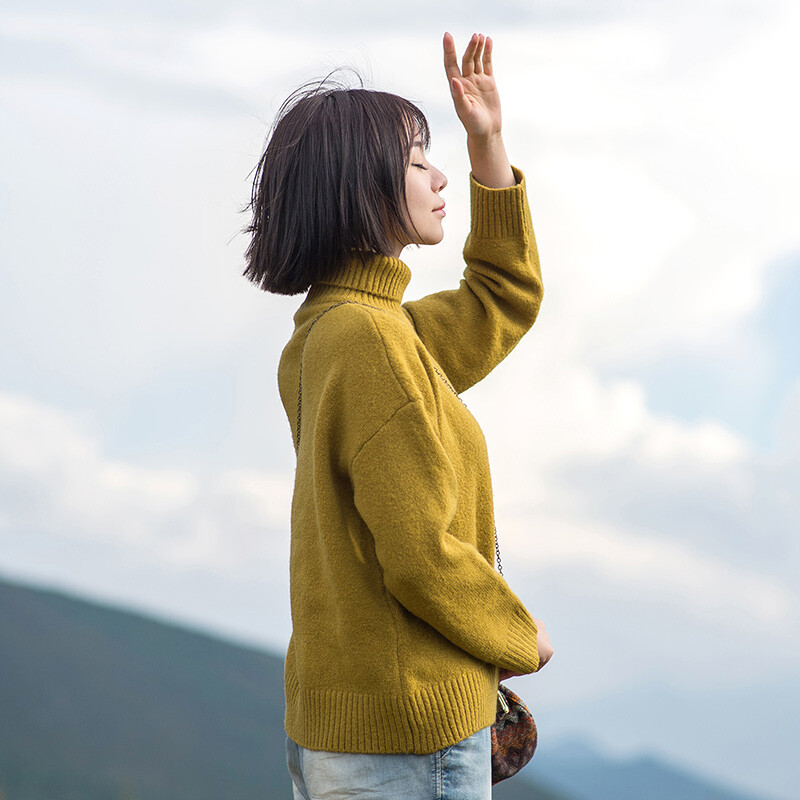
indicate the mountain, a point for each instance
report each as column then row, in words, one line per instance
column 99, row 703
column 743, row 735
column 579, row 769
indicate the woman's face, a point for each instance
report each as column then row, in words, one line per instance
column 425, row 207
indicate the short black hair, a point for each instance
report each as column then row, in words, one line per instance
column 331, row 181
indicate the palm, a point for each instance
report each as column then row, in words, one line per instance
column 472, row 85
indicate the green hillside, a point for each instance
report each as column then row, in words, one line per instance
column 97, row 704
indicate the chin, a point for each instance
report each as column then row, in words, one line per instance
column 430, row 237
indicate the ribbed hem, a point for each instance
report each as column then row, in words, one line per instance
column 498, row 213
column 423, row 722
column 522, row 652
column 368, row 274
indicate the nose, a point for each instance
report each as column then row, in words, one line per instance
column 439, row 180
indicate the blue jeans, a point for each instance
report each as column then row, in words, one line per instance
column 462, row 771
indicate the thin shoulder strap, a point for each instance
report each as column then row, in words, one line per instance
column 302, row 350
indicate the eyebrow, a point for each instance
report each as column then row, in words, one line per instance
column 416, row 143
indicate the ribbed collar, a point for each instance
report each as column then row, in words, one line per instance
column 377, row 277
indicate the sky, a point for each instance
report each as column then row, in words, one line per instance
column 644, row 436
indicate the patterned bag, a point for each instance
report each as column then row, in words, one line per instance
column 514, row 736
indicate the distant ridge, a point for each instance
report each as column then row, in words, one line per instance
column 99, row 703
column 102, row 704
column 578, row 768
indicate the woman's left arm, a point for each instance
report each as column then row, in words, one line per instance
column 471, row 329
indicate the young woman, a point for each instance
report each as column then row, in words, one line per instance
column 402, row 627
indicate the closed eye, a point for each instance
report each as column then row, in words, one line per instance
column 421, row 166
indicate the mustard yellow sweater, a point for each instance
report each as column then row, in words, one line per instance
column 400, row 620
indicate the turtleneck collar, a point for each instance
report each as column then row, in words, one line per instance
column 377, row 280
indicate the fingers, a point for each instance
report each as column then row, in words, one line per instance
column 470, row 57
column 477, row 65
column 450, row 57
column 477, row 58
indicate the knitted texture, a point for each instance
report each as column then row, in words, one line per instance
column 400, row 620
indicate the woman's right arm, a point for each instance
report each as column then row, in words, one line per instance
column 405, row 490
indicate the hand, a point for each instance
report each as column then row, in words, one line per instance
column 544, row 647
column 472, row 87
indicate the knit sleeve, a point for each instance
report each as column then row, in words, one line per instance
column 405, row 490
column 471, row 329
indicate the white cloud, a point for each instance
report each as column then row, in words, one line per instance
column 236, row 521
column 658, row 206
column 594, row 490
column 664, row 186
column 54, row 477
column 611, row 561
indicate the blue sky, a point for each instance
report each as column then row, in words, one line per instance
column 644, row 437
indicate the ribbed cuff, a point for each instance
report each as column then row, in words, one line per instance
column 522, row 653
column 498, row 213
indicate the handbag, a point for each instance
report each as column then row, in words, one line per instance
column 514, row 734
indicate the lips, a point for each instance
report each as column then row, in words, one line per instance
column 439, row 210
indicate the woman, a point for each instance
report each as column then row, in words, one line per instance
column 402, row 627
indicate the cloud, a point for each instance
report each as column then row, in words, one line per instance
column 609, row 560
column 54, row 477
column 593, row 487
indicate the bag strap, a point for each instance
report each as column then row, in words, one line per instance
column 302, row 350
column 300, row 396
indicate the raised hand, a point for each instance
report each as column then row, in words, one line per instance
column 474, row 92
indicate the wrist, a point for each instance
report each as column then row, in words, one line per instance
column 489, row 161
column 487, row 141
